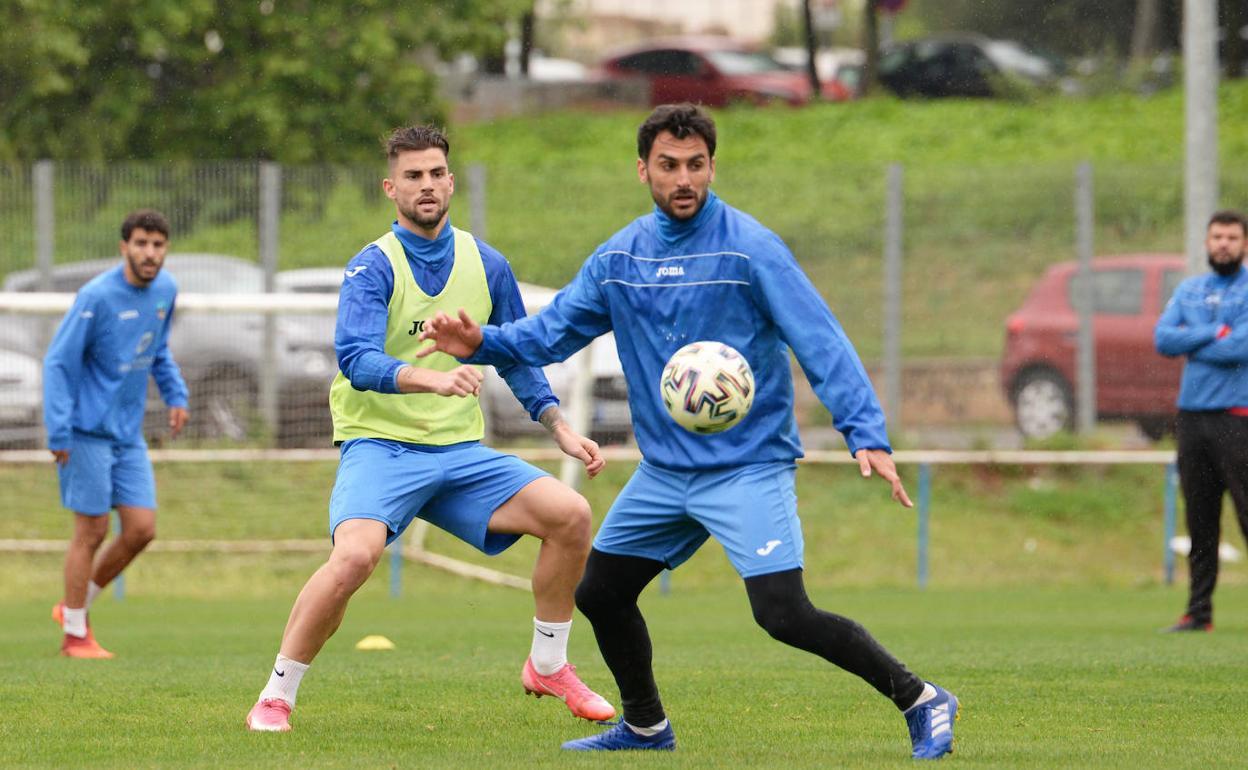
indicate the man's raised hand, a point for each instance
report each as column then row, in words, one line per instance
column 459, row 337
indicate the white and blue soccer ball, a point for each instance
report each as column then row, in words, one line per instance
column 707, row 387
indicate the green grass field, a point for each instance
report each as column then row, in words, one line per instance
column 1048, row 678
column 1041, row 615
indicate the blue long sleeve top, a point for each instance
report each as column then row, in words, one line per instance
column 1215, row 375
column 660, row 284
column 363, row 311
column 96, row 369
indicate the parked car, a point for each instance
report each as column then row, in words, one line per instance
column 1133, row 381
column 221, row 354
column 963, row 65
column 610, row 421
column 839, row 69
column 715, row 71
column 21, row 400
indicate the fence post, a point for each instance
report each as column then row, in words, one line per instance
column 269, row 229
column 1167, row 553
column 396, row 569
column 119, row 582
column 43, row 179
column 1085, row 395
column 893, row 228
column 925, row 500
column 476, row 199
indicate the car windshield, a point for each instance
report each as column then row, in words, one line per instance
column 1012, row 57
column 743, row 62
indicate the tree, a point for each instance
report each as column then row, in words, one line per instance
column 288, row 80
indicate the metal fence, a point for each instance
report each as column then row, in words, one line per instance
column 922, row 279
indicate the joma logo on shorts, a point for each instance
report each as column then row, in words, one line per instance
column 677, row 270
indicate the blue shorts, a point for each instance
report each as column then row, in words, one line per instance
column 666, row 515
column 102, row 474
column 455, row 488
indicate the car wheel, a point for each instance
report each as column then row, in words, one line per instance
column 225, row 405
column 1043, row 404
column 1155, row 428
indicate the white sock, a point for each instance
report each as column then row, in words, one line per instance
column 284, row 680
column 928, row 693
column 649, row 731
column 550, row 645
column 75, row 621
column 92, row 591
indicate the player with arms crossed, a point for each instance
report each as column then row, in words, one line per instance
column 94, row 395
column 408, row 451
column 698, row 269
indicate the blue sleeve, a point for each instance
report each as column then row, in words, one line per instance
column 363, row 313
column 826, row 355
column 1173, row 336
column 63, row 368
column 527, row 383
column 576, row 315
column 1231, row 350
column 165, row 370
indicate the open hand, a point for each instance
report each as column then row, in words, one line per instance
column 882, row 463
column 459, row 337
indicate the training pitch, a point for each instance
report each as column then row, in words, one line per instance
column 1062, row 677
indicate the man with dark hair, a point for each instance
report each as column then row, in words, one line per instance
column 94, row 394
column 1207, row 321
column 695, row 253
column 409, row 451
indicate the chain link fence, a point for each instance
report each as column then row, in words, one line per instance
column 973, row 241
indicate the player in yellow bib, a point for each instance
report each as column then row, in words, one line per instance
column 410, row 435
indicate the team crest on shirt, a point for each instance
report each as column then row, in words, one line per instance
column 144, row 343
column 162, row 310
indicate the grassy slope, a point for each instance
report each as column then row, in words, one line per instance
column 1008, row 527
column 988, row 184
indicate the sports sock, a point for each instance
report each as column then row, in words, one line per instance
column 92, row 591
column 75, row 621
column 649, row 731
column 550, row 645
column 928, row 693
column 284, row 680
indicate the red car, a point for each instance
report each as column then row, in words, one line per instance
column 1133, row 381
column 714, row 71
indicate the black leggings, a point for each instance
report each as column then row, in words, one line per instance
column 608, row 593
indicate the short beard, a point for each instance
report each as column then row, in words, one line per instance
column 666, row 208
column 1225, row 269
column 429, row 222
column 134, row 270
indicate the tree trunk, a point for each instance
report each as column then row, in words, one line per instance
column 527, row 23
column 871, row 46
column 811, row 48
column 1236, row 13
column 1144, row 31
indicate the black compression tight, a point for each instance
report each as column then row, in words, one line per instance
column 782, row 608
column 607, row 596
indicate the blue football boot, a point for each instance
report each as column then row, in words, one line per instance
column 621, row 738
column 931, row 725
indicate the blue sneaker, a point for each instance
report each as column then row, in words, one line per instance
column 931, row 725
column 621, row 738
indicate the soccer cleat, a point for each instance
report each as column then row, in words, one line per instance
column 931, row 725
column 83, row 647
column 622, row 738
column 271, row 715
column 565, row 685
column 1188, row 623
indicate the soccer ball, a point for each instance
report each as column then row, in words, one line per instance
column 707, row 387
